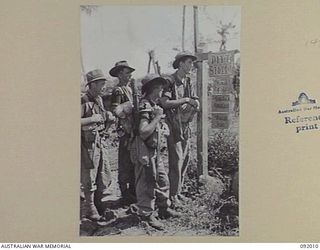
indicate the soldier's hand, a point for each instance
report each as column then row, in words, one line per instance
column 194, row 103
column 111, row 117
column 97, row 118
column 158, row 111
column 119, row 112
column 127, row 107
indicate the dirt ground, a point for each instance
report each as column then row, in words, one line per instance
column 212, row 210
column 128, row 225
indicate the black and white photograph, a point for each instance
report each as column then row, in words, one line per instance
column 160, row 107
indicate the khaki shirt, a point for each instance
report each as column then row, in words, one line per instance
column 120, row 95
column 177, row 89
column 90, row 106
column 178, row 118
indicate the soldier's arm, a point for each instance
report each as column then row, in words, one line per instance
column 93, row 119
column 146, row 129
column 86, row 121
column 89, row 120
column 146, row 125
column 166, row 103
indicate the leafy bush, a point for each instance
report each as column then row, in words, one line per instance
column 210, row 210
column 223, row 152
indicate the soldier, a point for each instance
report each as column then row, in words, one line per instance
column 180, row 104
column 152, row 183
column 122, row 107
column 95, row 170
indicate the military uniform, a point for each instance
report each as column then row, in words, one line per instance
column 152, row 183
column 179, row 139
column 120, row 95
column 95, row 169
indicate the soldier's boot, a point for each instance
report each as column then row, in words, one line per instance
column 154, row 222
column 91, row 210
column 150, row 218
column 106, row 213
column 165, row 213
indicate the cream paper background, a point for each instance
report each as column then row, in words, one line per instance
column 40, row 131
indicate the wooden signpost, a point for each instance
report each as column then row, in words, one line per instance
column 202, row 118
column 214, row 93
column 214, row 86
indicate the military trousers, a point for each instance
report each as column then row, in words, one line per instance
column 95, row 168
column 152, row 185
column 178, row 154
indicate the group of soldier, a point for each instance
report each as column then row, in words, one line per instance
column 166, row 108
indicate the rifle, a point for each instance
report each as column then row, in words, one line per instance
column 135, row 101
column 135, row 126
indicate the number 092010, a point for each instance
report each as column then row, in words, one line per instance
column 309, row 245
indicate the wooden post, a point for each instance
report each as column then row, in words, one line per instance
column 195, row 28
column 202, row 117
column 202, row 123
column 83, row 74
column 183, row 25
column 149, row 63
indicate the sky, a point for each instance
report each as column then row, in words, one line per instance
column 114, row 33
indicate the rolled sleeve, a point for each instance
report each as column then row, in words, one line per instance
column 144, row 110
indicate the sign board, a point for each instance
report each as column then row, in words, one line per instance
column 221, row 70
column 220, row 103
column 220, row 120
column 221, row 63
column 219, row 85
